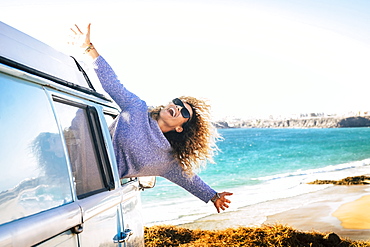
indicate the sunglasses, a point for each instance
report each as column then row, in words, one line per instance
column 184, row 112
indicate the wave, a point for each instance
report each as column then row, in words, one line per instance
column 259, row 196
column 330, row 168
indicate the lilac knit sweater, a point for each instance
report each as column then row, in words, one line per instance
column 141, row 148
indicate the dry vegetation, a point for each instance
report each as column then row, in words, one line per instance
column 274, row 236
column 357, row 180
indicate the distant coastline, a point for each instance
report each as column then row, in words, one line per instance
column 310, row 122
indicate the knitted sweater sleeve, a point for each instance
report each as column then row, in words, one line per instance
column 195, row 185
column 112, row 85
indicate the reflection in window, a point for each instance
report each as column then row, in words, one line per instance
column 49, row 151
column 86, row 169
column 34, row 172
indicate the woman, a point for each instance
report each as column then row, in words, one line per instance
column 170, row 141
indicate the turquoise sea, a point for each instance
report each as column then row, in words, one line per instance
column 261, row 165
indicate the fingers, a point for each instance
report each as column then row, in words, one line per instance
column 222, row 202
column 73, row 31
column 223, row 194
column 78, row 32
column 225, row 203
column 78, row 38
column 78, row 29
column 223, row 207
column 226, row 194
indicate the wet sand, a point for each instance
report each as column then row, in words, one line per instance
column 344, row 210
column 356, row 214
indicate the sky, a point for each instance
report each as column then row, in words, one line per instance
column 248, row 58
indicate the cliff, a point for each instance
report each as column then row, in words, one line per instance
column 316, row 122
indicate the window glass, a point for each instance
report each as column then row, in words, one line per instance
column 86, row 166
column 109, row 118
column 34, row 173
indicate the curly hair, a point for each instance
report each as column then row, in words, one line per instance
column 196, row 144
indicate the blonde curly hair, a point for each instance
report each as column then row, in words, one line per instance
column 196, row 144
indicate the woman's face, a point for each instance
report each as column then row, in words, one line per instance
column 174, row 115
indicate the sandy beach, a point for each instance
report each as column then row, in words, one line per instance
column 340, row 209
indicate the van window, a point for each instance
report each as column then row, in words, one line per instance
column 34, row 173
column 87, row 154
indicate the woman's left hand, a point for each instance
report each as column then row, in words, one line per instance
column 222, row 202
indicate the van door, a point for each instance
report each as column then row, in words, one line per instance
column 36, row 198
column 132, row 220
column 105, row 204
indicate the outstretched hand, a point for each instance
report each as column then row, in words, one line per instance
column 80, row 39
column 222, row 202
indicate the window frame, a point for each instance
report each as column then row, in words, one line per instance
column 98, row 142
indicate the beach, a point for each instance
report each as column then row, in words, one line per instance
column 270, row 171
column 342, row 209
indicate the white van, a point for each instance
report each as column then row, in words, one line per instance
column 59, row 183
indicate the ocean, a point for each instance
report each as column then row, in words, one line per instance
column 263, row 165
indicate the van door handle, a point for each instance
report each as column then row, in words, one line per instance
column 77, row 229
column 123, row 236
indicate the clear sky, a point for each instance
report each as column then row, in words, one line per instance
column 249, row 58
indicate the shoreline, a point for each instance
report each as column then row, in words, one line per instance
column 333, row 209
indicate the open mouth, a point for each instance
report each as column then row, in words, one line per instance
column 172, row 112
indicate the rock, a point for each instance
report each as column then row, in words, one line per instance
column 356, row 180
column 332, row 239
column 222, row 125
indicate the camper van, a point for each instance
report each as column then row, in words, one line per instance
column 59, row 182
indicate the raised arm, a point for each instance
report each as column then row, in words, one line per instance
column 107, row 77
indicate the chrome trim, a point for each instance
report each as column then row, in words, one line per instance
column 39, row 227
column 50, row 84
